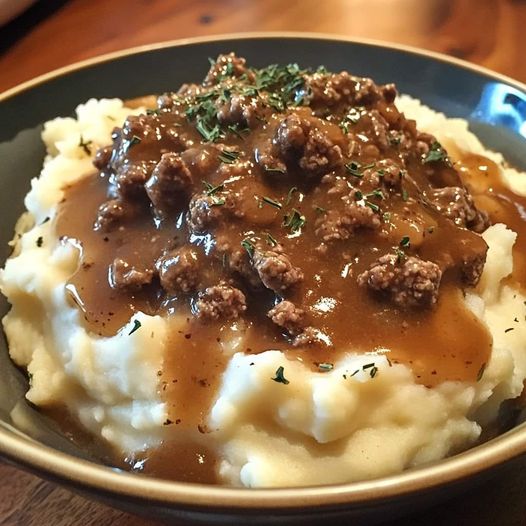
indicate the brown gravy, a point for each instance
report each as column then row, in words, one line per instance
column 446, row 342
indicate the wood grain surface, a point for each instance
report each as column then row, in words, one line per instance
column 54, row 33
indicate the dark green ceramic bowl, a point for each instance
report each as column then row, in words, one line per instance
column 496, row 109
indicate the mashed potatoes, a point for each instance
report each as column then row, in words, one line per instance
column 342, row 425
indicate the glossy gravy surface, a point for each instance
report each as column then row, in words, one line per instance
column 444, row 342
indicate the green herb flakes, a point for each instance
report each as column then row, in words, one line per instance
column 271, row 240
column 228, row 157
column 248, row 246
column 136, row 326
column 210, row 189
column 272, row 202
column 435, row 154
column 85, row 145
column 294, row 220
column 134, row 140
column 405, row 242
column 279, row 376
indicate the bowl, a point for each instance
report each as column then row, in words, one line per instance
column 494, row 105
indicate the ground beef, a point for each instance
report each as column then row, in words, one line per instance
column 207, row 211
column 285, row 314
column 112, row 213
column 128, row 277
column 472, row 267
column 227, row 66
column 129, row 179
column 423, row 143
column 342, row 223
column 267, row 158
column 179, row 270
column 237, row 260
column 407, row 280
column 308, row 336
column 457, row 204
column 201, row 161
column 385, row 172
column 242, row 110
column 379, row 129
column 275, row 269
column 170, row 181
column 102, row 158
column 220, row 302
column 167, row 101
column 298, row 142
column 138, row 127
column 343, row 90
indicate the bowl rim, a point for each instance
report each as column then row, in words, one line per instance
column 70, row 470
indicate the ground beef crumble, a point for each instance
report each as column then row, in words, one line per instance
column 220, row 302
column 407, row 281
column 270, row 188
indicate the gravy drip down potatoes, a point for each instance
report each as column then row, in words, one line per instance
column 301, row 275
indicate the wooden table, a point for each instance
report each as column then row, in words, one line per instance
column 55, row 33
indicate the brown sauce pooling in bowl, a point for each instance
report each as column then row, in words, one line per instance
column 301, row 205
column 482, row 176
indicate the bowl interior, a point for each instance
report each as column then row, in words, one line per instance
column 494, row 106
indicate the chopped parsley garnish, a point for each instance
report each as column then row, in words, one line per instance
column 283, row 86
column 395, row 139
column 320, row 209
column 290, row 194
column 400, row 255
column 136, row 326
column 509, row 329
column 405, row 242
column 240, row 132
column 295, row 221
column 40, row 241
column 271, row 240
column 272, row 202
column 373, row 372
column 372, row 206
column 209, row 133
column 377, row 192
column 356, row 169
column 351, row 118
column 358, row 195
column 210, row 189
column 280, row 378
column 436, row 153
column 386, row 217
column 480, row 374
column 228, row 157
column 405, row 195
column 248, row 246
column 85, row 145
column 274, row 170
column 217, row 201
column 134, row 140
column 324, row 367
column 367, row 366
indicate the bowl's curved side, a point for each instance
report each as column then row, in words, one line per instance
column 449, row 85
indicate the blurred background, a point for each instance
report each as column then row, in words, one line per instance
column 36, row 37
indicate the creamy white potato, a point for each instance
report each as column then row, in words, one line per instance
column 319, row 428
